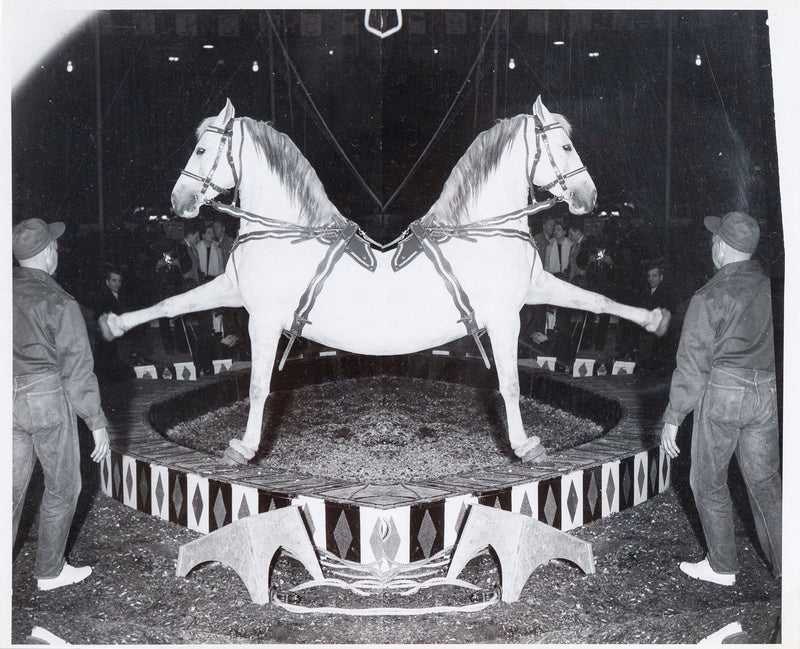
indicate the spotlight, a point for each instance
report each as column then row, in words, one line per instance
column 512, row 64
column 435, row 50
column 594, row 55
column 558, row 42
column 255, row 66
column 208, row 46
column 174, row 59
column 698, row 61
column 69, row 66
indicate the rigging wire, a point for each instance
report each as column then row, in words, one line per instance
column 318, row 115
column 439, row 130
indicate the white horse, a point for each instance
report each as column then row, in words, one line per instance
column 476, row 232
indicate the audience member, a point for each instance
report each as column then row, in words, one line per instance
column 224, row 240
column 557, row 255
column 185, row 254
column 533, row 317
column 113, row 358
column 543, row 238
column 210, row 262
column 658, row 354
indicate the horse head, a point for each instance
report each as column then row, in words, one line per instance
column 557, row 167
column 209, row 170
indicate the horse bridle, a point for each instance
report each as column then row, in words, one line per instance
column 543, row 143
column 226, row 136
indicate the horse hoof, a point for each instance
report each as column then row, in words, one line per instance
column 666, row 317
column 105, row 329
column 536, row 454
column 232, row 457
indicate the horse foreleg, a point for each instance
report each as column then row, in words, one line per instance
column 504, row 347
column 264, row 344
column 547, row 289
column 220, row 292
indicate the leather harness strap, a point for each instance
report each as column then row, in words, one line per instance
column 419, row 238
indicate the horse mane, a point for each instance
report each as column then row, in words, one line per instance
column 294, row 172
column 473, row 169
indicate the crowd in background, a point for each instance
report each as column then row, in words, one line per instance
column 148, row 261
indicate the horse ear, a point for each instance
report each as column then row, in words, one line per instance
column 538, row 107
column 228, row 111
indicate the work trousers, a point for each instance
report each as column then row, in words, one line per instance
column 46, row 428
column 737, row 414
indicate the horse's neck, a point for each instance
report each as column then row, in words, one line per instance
column 505, row 189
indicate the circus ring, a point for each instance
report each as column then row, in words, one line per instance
column 407, row 522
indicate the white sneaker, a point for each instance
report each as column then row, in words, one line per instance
column 69, row 575
column 703, row 570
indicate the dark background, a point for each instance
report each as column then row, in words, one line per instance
column 667, row 141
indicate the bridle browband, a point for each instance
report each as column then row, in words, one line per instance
column 543, row 143
column 227, row 136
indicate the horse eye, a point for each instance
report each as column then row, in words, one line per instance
column 568, row 147
column 200, row 150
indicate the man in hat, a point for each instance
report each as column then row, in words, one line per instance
column 53, row 381
column 726, row 374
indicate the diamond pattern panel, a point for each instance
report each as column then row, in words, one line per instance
column 116, row 477
column 129, row 484
column 572, row 501
column 664, row 472
column 105, row 474
column 652, row 472
column 342, row 532
column 427, row 530
column 592, row 494
column 550, row 502
column 626, row 483
column 219, row 497
column 177, row 497
column 143, row 503
column 159, row 477
column 610, row 493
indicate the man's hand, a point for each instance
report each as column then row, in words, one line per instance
column 101, row 445
column 668, row 435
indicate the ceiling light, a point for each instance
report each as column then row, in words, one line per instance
column 512, row 64
column 69, row 66
column 697, row 60
column 208, row 46
column 174, row 59
column 594, row 55
column 255, row 66
column 558, row 42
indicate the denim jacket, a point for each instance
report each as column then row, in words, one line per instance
column 728, row 325
column 50, row 337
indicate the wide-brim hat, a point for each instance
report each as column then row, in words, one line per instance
column 737, row 229
column 31, row 236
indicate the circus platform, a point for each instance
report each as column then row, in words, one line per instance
column 406, row 522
